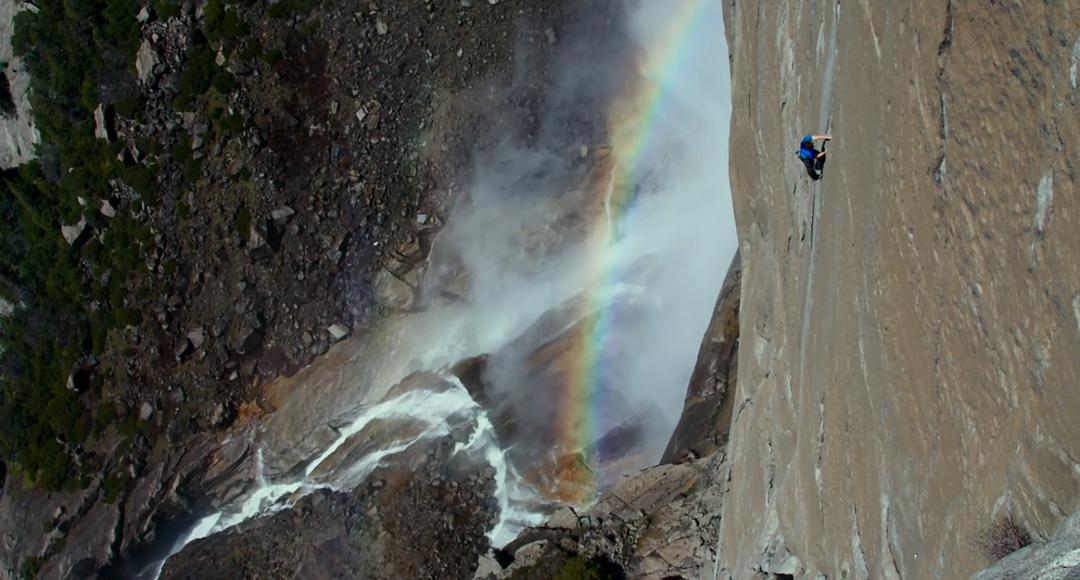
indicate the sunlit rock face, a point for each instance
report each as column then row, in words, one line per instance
column 908, row 326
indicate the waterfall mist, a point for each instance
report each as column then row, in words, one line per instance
column 521, row 277
column 518, row 244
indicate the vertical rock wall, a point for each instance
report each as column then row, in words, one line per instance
column 910, row 325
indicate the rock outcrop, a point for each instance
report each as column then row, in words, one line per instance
column 82, row 532
column 17, row 133
column 703, row 425
column 1056, row 559
column 910, row 323
column 659, row 523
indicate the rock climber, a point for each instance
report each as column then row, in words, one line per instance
column 813, row 159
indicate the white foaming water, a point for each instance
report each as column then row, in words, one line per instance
column 434, row 408
column 510, row 492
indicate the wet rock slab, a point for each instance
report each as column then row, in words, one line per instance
column 426, row 520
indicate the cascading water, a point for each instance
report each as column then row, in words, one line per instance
column 629, row 294
column 433, row 409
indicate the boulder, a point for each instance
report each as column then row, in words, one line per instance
column 73, row 232
column 255, row 238
column 338, row 331
column 145, row 61
column 103, row 123
column 196, row 336
column 183, row 347
column 282, row 214
column 392, row 292
column 87, row 545
column 249, row 342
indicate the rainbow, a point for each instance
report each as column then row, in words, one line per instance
column 633, row 121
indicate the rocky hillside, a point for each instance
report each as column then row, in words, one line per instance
column 228, row 191
column 222, row 191
column 910, row 323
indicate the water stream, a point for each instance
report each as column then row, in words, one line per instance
column 653, row 287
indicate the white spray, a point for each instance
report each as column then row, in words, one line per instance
column 683, row 228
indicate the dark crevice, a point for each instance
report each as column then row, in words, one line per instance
column 7, row 102
column 939, row 170
column 943, row 53
column 947, row 37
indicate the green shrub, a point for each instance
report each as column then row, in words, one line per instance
column 183, row 102
column 105, row 416
column 7, row 102
column 252, row 50
column 242, row 223
column 70, row 311
column 150, row 146
column 230, row 125
column 287, row 8
column 32, row 566
column 143, row 180
column 198, row 72
column 113, row 485
column 199, row 75
column 580, row 568
column 224, row 82
column 130, row 107
column 183, row 154
column 36, row 409
column 120, row 29
column 273, row 57
column 166, row 9
column 222, row 22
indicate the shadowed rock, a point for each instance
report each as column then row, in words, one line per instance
column 703, row 425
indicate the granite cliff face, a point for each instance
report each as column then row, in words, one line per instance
column 910, row 323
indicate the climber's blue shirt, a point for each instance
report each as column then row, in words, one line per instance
column 806, row 149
